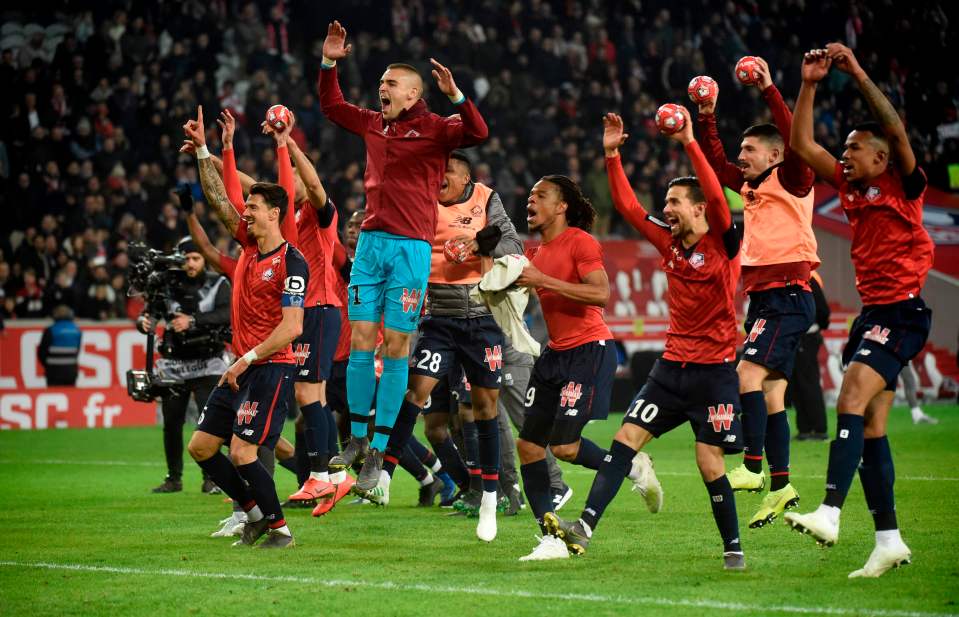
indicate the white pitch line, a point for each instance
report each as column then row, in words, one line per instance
column 514, row 593
column 567, row 469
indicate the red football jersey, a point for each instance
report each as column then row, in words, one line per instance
column 570, row 256
column 228, row 265
column 891, row 250
column 702, row 279
column 330, row 239
column 262, row 286
column 311, row 243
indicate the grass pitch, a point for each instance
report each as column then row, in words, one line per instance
column 83, row 535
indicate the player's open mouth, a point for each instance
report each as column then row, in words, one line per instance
column 847, row 168
column 672, row 221
column 384, row 103
column 445, row 185
column 530, row 214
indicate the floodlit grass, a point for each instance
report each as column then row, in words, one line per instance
column 83, row 535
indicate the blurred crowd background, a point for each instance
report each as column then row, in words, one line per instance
column 93, row 98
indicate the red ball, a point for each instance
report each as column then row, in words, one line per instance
column 746, row 70
column 455, row 251
column 670, row 118
column 278, row 116
column 702, row 89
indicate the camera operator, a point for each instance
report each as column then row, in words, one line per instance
column 197, row 316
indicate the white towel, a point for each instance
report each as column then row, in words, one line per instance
column 506, row 301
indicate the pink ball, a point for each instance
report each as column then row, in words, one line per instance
column 278, row 116
column 670, row 119
column 702, row 89
column 746, row 70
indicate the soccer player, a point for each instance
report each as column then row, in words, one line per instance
column 407, row 148
column 694, row 381
column 249, row 405
column 312, row 214
column 573, row 378
column 881, row 188
column 778, row 255
column 459, row 331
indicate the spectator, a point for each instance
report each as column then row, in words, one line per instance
column 59, row 348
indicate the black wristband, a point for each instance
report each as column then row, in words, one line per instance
column 487, row 239
column 186, row 198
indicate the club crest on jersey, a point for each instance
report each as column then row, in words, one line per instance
column 878, row 334
column 721, row 416
column 494, row 358
column 570, row 393
column 246, row 412
column 476, row 210
column 410, row 299
column 268, row 274
column 758, row 328
column 697, row 260
column 412, row 133
column 873, row 193
column 301, row 353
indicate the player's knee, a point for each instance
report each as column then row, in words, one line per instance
column 565, row 452
column 709, row 459
column 751, row 376
column 529, row 452
column 437, row 434
column 396, row 344
column 199, row 449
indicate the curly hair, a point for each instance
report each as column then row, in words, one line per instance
column 579, row 211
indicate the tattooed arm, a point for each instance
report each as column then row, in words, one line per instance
column 882, row 110
column 210, row 181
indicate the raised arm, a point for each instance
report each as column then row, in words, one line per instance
column 882, row 110
column 624, row 198
column 467, row 128
column 729, row 174
column 237, row 183
column 315, row 191
column 350, row 117
column 203, row 244
column 795, row 175
column 815, row 67
column 210, row 181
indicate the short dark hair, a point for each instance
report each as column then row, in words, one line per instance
column 692, row 187
column 460, row 156
column 404, row 66
column 766, row 132
column 579, row 211
column 274, row 195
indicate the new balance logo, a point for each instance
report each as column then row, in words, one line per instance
column 729, row 439
column 570, row 393
column 410, row 299
column 571, row 412
column 246, row 412
column 758, row 328
column 717, row 498
column 607, row 458
column 880, row 335
column 494, row 358
column 301, row 353
column 751, row 351
column 463, row 220
column 844, row 433
column 721, row 416
column 248, row 432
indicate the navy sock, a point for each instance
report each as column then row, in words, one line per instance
column 222, row 471
column 777, row 449
column 423, row 453
column 845, row 452
column 264, row 492
column 612, row 472
column 724, row 511
column 452, row 462
column 389, row 399
column 536, row 486
column 288, row 464
column 302, row 460
column 878, row 476
column 360, row 388
column 488, row 436
column 315, row 433
column 589, row 455
column 411, row 465
column 402, row 429
column 754, row 429
column 332, row 435
column 471, row 448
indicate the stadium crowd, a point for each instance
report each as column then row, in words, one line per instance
column 93, row 102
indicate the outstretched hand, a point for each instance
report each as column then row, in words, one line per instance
column 444, row 78
column 281, row 137
column 685, row 135
column 613, row 135
column 844, row 59
column 227, row 127
column 334, row 46
column 815, row 65
column 764, row 74
column 194, row 129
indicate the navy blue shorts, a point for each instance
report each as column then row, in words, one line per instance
column 336, row 387
column 316, row 345
column 775, row 323
column 886, row 337
column 475, row 344
column 568, row 389
column 705, row 395
column 443, row 399
column 256, row 412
